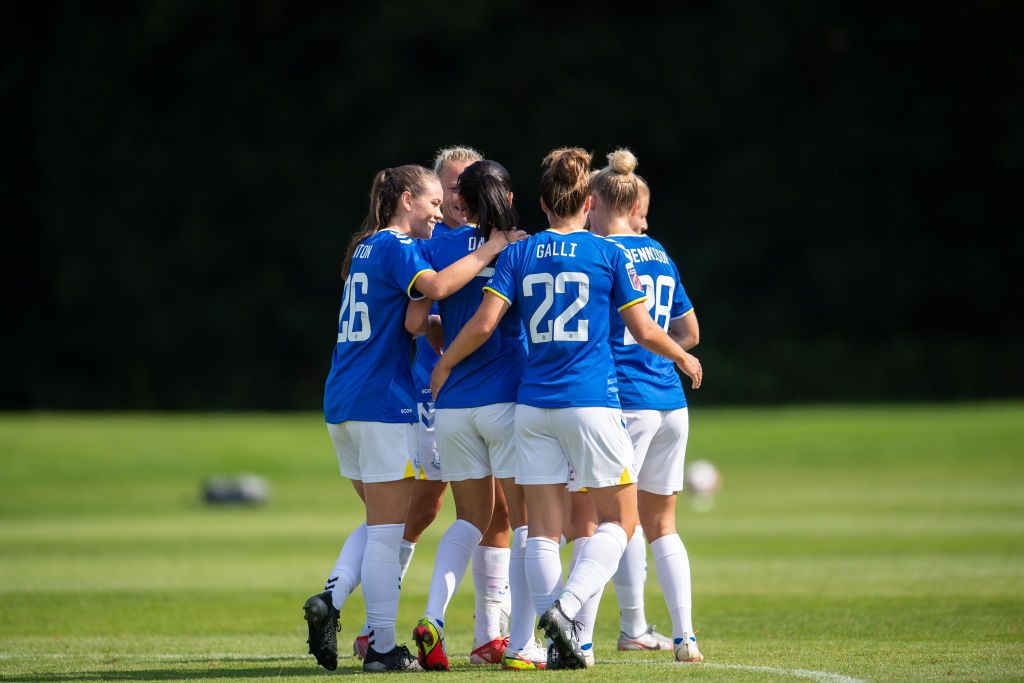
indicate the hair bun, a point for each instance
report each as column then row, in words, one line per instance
column 622, row 161
column 568, row 165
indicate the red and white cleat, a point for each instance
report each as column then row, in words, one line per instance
column 489, row 653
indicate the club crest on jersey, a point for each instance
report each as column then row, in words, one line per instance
column 633, row 277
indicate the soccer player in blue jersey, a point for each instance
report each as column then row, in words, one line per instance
column 475, row 425
column 653, row 402
column 491, row 555
column 562, row 282
column 369, row 405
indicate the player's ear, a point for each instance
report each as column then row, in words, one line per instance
column 544, row 206
column 405, row 200
column 510, row 199
column 636, row 207
column 587, row 204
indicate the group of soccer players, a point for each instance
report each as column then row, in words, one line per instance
column 540, row 390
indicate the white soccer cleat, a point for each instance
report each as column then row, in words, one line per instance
column 648, row 640
column 686, row 649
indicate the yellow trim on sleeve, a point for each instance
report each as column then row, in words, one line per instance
column 497, row 293
column 408, row 290
column 678, row 317
column 632, row 303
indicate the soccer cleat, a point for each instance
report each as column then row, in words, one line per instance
column 686, row 649
column 648, row 640
column 429, row 637
column 489, row 653
column 563, row 634
column 533, row 656
column 359, row 646
column 322, row 619
column 398, row 659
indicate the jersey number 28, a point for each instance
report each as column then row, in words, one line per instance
column 659, row 302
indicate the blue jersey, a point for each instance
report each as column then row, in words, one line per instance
column 371, row 371
column 646, row 380
column 490, row 374
column 426, row 357
column 563, row 284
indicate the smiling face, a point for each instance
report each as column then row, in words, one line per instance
column 425, row 210
column 452, row 206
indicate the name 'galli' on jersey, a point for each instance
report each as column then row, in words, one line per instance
column 553, row 277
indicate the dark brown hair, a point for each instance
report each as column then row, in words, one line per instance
column 565, row 180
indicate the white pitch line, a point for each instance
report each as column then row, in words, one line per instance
column 810, row 674
column 822, row 676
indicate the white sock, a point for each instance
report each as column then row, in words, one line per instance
column 524, row 616
column 587, row 616
column 629, row 586
column 490, row 583
column 672, row 565
column 453, row 553
column 349, row 567
column 543, row 572
column 381, row 582
column 405, row 552
column 598, row 561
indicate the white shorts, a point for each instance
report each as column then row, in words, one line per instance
column 477, row 442
column 374, row 452
column 659, row 440
column 592, row 441
column 428, row 459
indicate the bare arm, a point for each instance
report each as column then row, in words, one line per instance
column 685, row 331
column 416, row 317
column 470, row 338
column 650, row 336
column 456, row 276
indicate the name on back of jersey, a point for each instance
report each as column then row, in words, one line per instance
column 545, row 250
column 362, row 251
column 647, row 254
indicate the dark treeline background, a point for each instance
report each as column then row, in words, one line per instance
column 839, row 183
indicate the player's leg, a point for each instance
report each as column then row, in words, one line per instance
column 582, row 525
column 522, row 651
column 601, row 456
column 385, row 458
column 490, row 583
column 659, row 480
column 634, row 631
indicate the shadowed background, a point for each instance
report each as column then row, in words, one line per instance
column 839, row 184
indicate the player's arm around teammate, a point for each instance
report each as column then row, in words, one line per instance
column 372, row 428
column 563, row 281
column 652, row 397
column 474, row 427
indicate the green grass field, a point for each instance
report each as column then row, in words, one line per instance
column 882, row 543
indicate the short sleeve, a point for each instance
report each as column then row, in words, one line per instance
column 627, row 289
column 503, row 282
column 406, row 264
column 681, row 305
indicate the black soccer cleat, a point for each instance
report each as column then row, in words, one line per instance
column 563, row 634
column 553, row 661
column 322, row 620
column 398, row 659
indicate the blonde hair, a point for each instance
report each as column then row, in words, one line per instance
column 456, row 153
column 616, row 183
column 565, row 180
